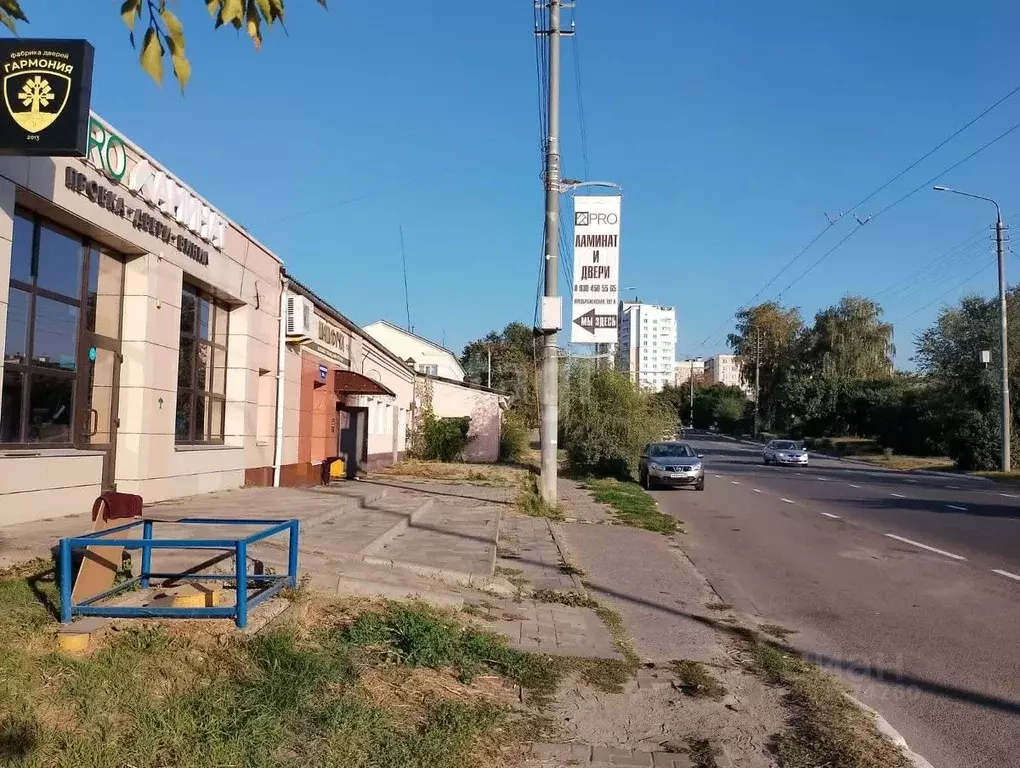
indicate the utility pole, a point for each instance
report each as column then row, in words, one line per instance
column 1004, row 405
column 692, row 393
column 488, row 366
column 757, row 376
column 550, row 353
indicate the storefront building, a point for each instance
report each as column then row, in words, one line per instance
column 344, row 394
column 139, row 329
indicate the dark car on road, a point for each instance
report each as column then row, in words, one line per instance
column 671, row 463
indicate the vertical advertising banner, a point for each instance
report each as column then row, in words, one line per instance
column 596, row 270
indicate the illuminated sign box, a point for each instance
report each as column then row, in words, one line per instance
column 47, row 90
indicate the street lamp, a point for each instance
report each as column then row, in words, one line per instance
column 1004, row 386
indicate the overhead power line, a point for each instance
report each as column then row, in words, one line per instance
column 831, row 223
column 960, row 284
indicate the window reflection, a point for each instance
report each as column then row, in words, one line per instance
column 21, row 250
column 55, row 334
column 49, row 409
column 16, row 344
column 60, row 258
column 10, row 406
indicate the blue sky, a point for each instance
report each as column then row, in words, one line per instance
column 731, row 126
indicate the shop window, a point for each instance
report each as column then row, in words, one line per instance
column 201, row 369
column 43, row 343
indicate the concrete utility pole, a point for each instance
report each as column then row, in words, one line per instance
column 488, row 366
column 1000, row 249
column 692, row 393
column 550, row 353
column 757, row 376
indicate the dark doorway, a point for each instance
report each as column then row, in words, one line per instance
column 353, row 439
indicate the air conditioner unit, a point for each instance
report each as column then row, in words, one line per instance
column 300, row 319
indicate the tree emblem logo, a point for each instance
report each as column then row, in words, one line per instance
column 35, row 98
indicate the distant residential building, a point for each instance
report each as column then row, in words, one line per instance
column 423, row 355
column 725, row 369
column 686, row 368
column 647, row 344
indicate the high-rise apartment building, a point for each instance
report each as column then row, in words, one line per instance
column 647, row 349
column 725, row 369
column 687, row 368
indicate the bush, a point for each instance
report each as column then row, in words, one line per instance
column 973, row 442
column 514, row 437
column 606, row 422
column 445, row 439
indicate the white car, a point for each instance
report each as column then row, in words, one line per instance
column 785, row 452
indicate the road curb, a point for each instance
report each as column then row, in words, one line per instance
column 886, row 729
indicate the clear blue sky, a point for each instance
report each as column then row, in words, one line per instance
column 730, row 126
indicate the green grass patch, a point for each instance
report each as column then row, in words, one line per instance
column 566, row 597
column 695, row 680
column 529, row 501
column 777, row 631
column 825, row 727
column 631, row 505
column 1007, row 478
column 191, row 696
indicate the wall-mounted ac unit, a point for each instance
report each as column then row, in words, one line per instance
column 300, row 319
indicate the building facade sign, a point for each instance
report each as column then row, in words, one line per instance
column 47, row 88
column 596, row 269
column 332, row 342
column 108, row 153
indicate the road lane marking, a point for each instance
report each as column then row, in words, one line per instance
column 853, row 486
column 953, row 487
column 756, row 490
column 907, row 479
column 788, row 501
column 925, row 546
column 734, row 482
column 958, row 509
column 1007, row 574
column 899, row 496
column 1009, row 496
column 719, row 476
column 834, row 517
column 820, row 478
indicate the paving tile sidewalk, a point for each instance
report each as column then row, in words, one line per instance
column 557, row 755
column 528, row 550
column 579, row 505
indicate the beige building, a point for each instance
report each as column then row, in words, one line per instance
column 725, row 369
column 139, row 330
column 424, row 355
column 685, row 369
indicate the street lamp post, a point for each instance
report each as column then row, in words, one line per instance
column 1003, row 339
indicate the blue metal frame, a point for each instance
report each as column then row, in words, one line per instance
column 271, row 584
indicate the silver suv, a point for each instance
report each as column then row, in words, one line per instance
column 671, row 463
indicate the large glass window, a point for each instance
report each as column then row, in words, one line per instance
column 49, row 288
column 201, row 369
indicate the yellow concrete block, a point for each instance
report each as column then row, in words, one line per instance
column 337, row 470
column 195, row 596
column 74, row 643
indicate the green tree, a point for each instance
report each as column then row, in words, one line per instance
column 776, row 333
column 606, row 421
column 850, row 341
column 719, row 406
column 513, row 364
column 163, row 32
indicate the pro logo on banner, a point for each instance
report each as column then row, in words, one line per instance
column 47, row 87
column 596, row 270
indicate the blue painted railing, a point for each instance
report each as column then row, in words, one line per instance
column 268, row 584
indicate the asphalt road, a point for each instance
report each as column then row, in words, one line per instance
column 906, row 586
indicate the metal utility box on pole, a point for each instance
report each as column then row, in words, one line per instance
column 550, row 325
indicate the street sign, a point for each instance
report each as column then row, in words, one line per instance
column 596, row 269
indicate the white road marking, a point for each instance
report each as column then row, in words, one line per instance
column 756, row 490
column 853, row 486
column 834, row 517
column 734, row 482
column 907, row 479
column 788, row 501
column 719, row 476
column 899, row 496
column 1007, row 574
column 953, row 487
column 958, row 509
column 925, row 546
column 820, row 478
column 1009, row 496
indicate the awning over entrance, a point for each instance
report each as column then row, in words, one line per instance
column 354, row 383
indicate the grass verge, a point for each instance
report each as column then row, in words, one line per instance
column 475, row 474
column 347, row 684
column 696, row 680
column 936, row 463
column 825, row 727
column 530, row 502
column 631, row 505
column 1007, row 478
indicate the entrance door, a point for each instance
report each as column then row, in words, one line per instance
column 97, row 401
column 353, row 438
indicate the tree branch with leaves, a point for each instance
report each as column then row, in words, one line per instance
column 164, row 34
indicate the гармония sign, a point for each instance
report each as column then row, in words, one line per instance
column 47, row 88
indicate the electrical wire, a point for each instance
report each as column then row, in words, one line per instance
column 865, row 199
column 580, row 101
column 899, row 200
column 945, row 293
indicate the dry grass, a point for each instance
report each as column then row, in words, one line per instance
column 1006, row 478
column 936, row 463
column 472, row 474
